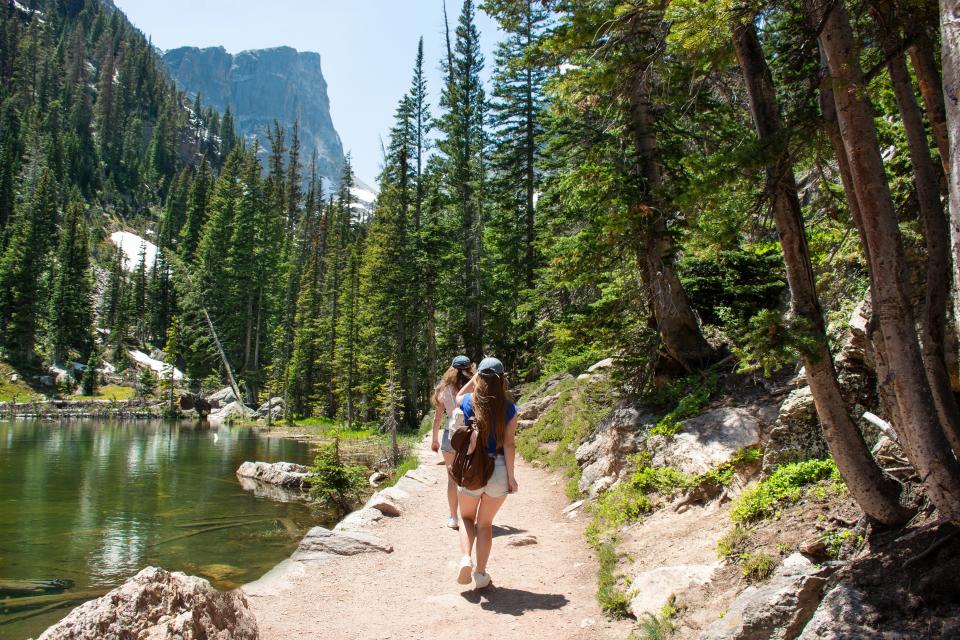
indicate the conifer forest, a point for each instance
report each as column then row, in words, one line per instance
column 679, row 184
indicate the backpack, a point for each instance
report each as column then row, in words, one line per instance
column 472, row 467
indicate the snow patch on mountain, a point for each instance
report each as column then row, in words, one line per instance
column 131, row 245
column 363, row 195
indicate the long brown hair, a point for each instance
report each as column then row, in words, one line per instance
column 490, row 400
column 453, row 378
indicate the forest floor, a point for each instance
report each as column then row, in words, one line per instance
column 542, row 589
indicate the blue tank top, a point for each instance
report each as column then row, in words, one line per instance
column 511, row 410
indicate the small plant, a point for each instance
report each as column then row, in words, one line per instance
column 407, row 463
column 757, row 566
column 658, row 626
column 770, row 341
column 731, row 541
column 785, row 486
column 837, row 541
column 699, row 391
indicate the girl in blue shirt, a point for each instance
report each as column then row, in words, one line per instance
column 485, row 398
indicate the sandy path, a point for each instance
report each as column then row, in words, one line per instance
column 542, row 590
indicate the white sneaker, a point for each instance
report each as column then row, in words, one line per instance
column 452, row 523
column 466, row 567
column 481, row 580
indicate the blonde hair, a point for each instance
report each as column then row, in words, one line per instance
column 453, row 379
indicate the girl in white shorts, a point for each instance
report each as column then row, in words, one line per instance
column 485, row 398
column 445, row 401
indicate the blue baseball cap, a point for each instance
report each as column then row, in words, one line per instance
column 461, row 362
column 490, row 367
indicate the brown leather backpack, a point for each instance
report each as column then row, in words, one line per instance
column 471, row 467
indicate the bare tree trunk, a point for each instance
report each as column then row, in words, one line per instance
column 935, row 229
column 950, row 52
column 876, row 494
column 931, row 88
column 920, row 426
column 828, row 107
column 676, row 322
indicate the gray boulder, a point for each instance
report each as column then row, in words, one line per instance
column 840, row 616
column 231, row 413
column 224, row 397
column 652, row 588
column 272, row 408
column 706, row 441
column 796, row 434
column 387, row 501
column 160, row 605
column 341, row 543
column 360, row 520
column 604, row 454
column 282, row 474
column 532, row 410
column 777, row 609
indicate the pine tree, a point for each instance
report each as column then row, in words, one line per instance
column 71, row 293
column 22, row 262
column 196, row 211
column 462, row 127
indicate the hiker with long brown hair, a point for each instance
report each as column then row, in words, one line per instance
column 444, row 400
column 486, row 401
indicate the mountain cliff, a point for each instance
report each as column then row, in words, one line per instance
column 260, row 86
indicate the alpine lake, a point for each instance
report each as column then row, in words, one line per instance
column 84, row 505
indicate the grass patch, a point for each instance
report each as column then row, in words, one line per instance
column 612, row 599
column 659, row 626
column 784, row 487
column 565, row 425
column 407, row 463
column 731, row 541
column 110, row 392
column 18, row 390
column 837, row 541
column 756, row 566
column 633, row 497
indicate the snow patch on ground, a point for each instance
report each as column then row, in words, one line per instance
column 162, row 369
column 131, row 244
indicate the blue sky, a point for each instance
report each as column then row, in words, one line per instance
column 367, row 49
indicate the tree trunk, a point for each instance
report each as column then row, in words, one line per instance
column 876, row 494
column 935, row 230
column 950, row 51
column 828, row 107
column 920, row 426
column 677, row 324
column 931, row 88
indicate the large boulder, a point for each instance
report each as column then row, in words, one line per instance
column 282, row 474
column 706, row 441
column 232, row 412
column 796, row 434
column 160, row 605
column 653, row 588
column 604, row 454
column 840, row 616
column 775, row 610
column 272, row 409
column 536, row 407
column 341, row 543
column 387, row 501
column 360, row 520
column 223, row 397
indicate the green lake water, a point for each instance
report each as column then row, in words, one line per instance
column 93, row 502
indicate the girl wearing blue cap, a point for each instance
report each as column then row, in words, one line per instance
column 486, row 399
column 445, row 402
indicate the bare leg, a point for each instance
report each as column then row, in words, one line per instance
column 484, row 529
column 451, row 486
column 468, row 513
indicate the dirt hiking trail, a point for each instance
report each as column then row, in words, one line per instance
column 541, row 589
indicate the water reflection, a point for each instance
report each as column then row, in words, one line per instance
column 94, row 502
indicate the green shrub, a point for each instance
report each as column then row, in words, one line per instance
column 757, row 566
column 742, row 282
column 768, row 341
column 696, row 391
column 659, row 626
column 729, row 542
column 335, row 483
column 407, row 463
column 785, row 486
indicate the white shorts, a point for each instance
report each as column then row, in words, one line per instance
column 496, row 486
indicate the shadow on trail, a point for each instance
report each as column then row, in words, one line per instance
column 499, row 531
column 514, row 602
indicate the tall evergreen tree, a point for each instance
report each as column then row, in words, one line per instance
column 71, row 300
